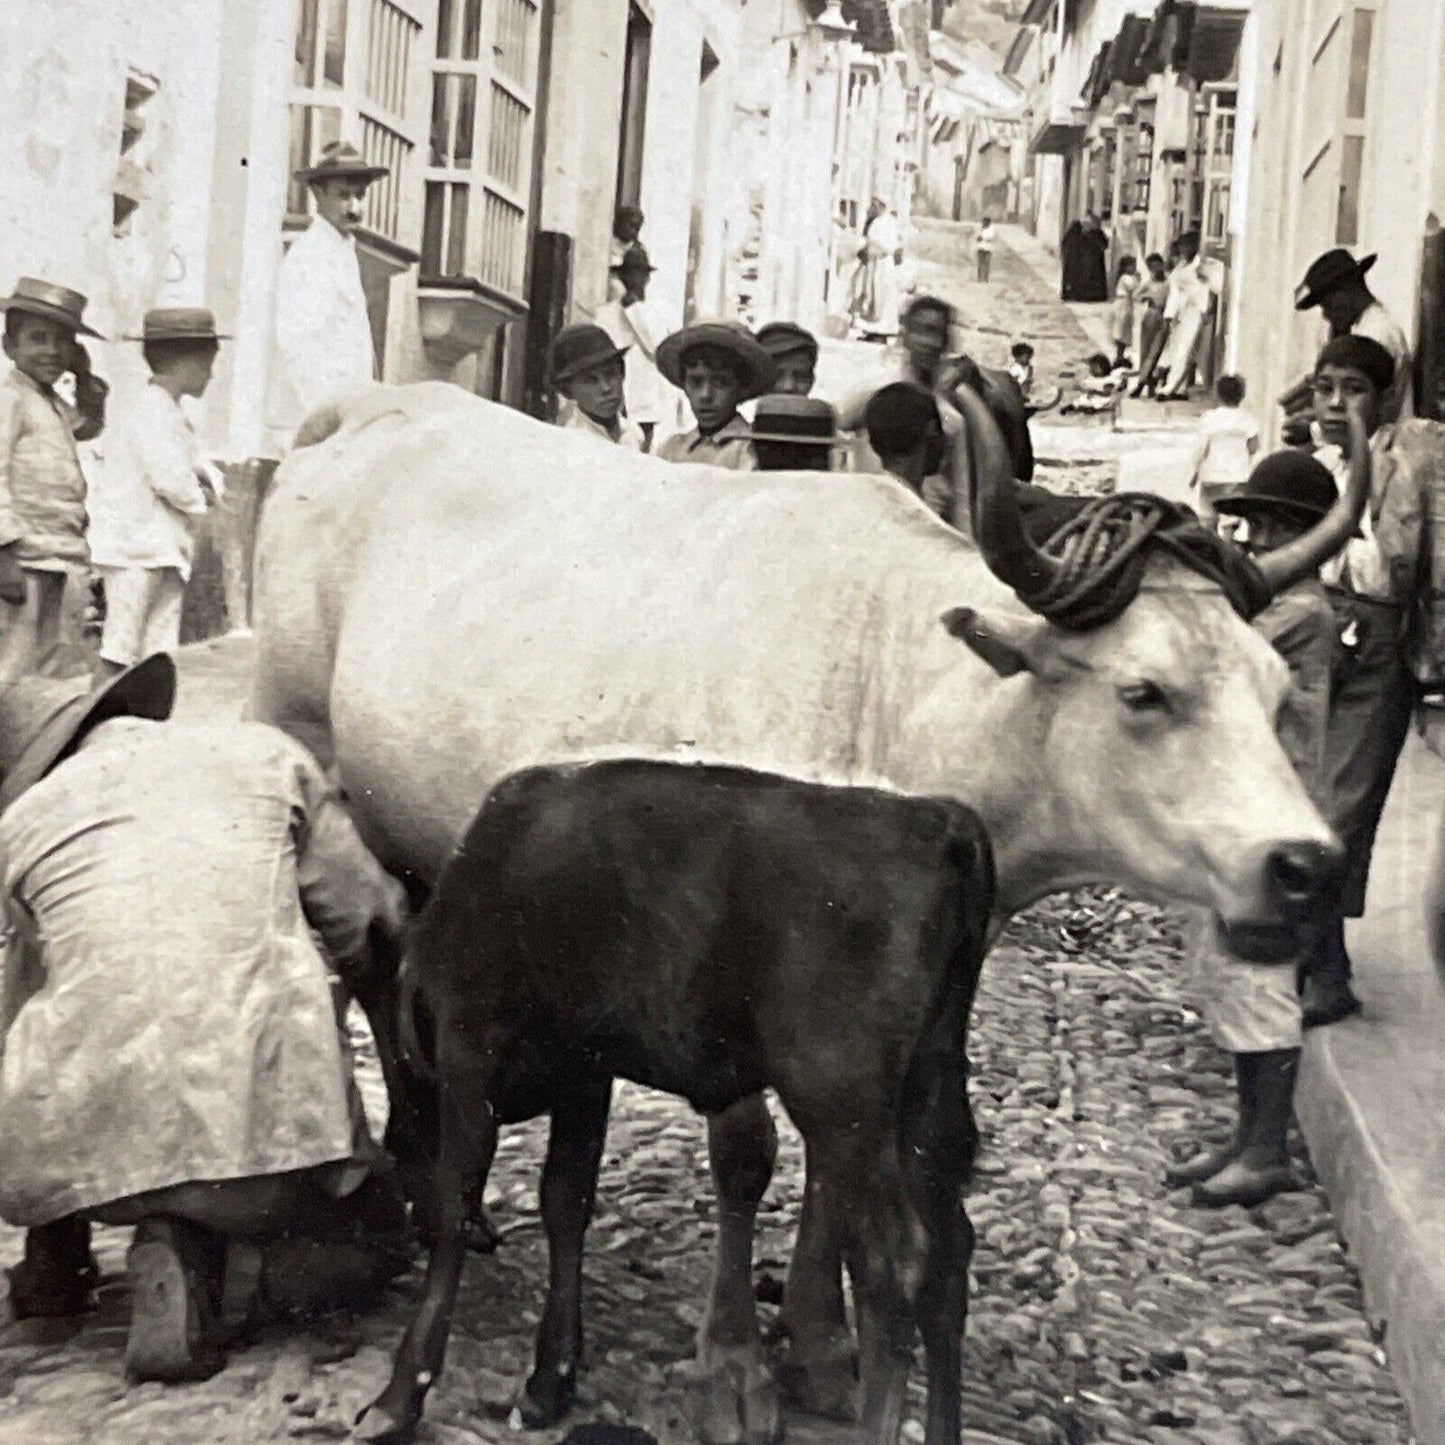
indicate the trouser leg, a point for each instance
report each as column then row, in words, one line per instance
column 57, row 1273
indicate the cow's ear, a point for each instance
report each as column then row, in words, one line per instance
column 1008, row 643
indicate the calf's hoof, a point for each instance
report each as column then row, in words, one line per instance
column 547, row 1397
column 384, row 1423
column 822, row 1380
column 735, row 1397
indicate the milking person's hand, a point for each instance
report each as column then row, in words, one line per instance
column 12, row 577
column 1357, row 483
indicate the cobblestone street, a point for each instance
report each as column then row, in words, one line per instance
column 1103, row 1307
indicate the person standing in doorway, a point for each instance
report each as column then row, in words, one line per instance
column 983, row 247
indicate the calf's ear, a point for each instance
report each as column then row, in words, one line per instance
column 1008, row 643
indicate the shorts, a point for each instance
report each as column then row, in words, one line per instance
column 142, row 613
column 1249, row 1008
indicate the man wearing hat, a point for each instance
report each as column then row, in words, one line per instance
column 1335, row 282
column 1254, row 1013
column 42, row 487
column 153, row 488
column 588, row 370
column 716, row 364
column 793, row 433
column 171, row 1058
column 795, row 351
column 624, row 317
column 323, row 341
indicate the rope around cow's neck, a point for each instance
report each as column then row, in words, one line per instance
column 1099, row 557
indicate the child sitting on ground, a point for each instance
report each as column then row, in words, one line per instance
column 589, row 370
column 153, row 489
column 42, row 488
column 1228, row 440
column 717, row 365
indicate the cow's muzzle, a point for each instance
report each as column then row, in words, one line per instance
column 1300, row 879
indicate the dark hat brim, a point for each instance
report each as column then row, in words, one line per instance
column 147, row 690
column 1312, row 298
column 759, row 368
column 50, row 313
column 1255, row 506
column 588, row 363
column 368, row 173
column 217, row 336
column 793, row 439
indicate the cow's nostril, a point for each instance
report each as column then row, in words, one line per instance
column 1300, row 871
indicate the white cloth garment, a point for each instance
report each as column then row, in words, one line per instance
column 322, row 335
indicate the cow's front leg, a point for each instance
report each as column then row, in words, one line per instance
column 819, row 1371
column 738, row 1396
column 569, row 1189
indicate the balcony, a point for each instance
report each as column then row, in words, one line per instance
column 460, row 313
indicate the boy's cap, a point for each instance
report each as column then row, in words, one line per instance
column 759, row 369
column 807, row 420
column 179, row 323
column 54, row 303
column 341, row 161
column 1290, row 481
column 580, row 348
column 783, row 338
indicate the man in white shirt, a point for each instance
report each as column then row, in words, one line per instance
column 322, row 336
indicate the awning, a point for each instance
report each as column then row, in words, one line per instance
column 1125, row 60
column 1194, row 39
column 875, row 25
column 1057, row 137
column 1097, row 83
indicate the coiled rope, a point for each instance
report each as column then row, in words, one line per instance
column 1098, row 559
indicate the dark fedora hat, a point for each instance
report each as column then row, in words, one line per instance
column 579, row 348
column 759, row 370
column 783, row 338
column 806, row 420
column 42, row 721
column 634, row 258
column 1335, row 268
column 1291, row 481
column 341, row 161
column 54, row 303
column 179, row 323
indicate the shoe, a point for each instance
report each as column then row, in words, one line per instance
column 38, row 1292
column 1325, row 1001
column 1241, row 1184
column 172, row 1326
column 1201, row 1166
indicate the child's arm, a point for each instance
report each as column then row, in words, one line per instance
column 171, row 471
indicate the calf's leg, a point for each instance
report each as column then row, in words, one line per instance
column 468, row 1142
column 738, row 1398
column 569, row 1188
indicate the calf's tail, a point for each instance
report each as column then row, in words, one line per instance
column 408, row 986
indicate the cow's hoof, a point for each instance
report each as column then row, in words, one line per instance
column 822, row 1380
column 547, row 1397
column 736, row 1397
column 378, row 1425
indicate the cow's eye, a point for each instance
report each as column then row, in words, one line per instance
column 1144, row 697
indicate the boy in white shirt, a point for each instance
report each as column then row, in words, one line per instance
column 1228, row 440
column 155, row 486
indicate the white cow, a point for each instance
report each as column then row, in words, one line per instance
column 448, row 591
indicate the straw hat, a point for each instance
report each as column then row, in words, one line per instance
column 806, row 420
column 179, row 323
column 42, row 722
column 1327, row 271
column 340, row 161
column 54, row 303
column 758, row 368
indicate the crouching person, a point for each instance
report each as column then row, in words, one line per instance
column 171, row 1058
column 1253, row 1010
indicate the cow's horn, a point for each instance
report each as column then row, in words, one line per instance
column 998, row 526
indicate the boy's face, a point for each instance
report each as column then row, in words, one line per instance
column 712, row 385
column 1336, row 389
column 40, row 348
column 1269, row 531
column 925, row 339
column 598, row 391
column 342, row 203
column 796, row 373
column 194, row 370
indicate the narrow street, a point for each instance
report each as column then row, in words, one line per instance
column 1104, row 1307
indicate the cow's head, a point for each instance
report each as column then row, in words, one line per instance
column 1157, row 760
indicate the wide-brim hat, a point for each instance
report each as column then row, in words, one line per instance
column 339, row 161
column 801, row 420
column 784, row 338
column 42, row 722
column 759, row 369
column 179, row 323
column 54, row 303
column 1292, row 482
column 580, row 348
column 1327, row 272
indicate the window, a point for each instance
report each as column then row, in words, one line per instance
column 1143, row 167
column 352, row 77
column 1347, row 217
column 129, row 187
column 479, row 155
column 634, row 107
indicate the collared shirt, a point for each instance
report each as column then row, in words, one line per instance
column 1377, row 323
column 730, row 446
column 629, row 434
column 42, row 488
column 166, row 1015
column 148, row 494
column 322, row 335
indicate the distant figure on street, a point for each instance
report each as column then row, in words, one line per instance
column 625, row 318
column 1085, row 269
column 1335, row 282
column 43, row 520
column 795, row 351
column 983, row 247
column 1121, row 314
column 905, row 430
column 1150, row 301
column 717, row 365
column 874, row 302
column 1192, row 288
column 1228, row 440
column 794, row 433
column 152, row 491
column 588, row 370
